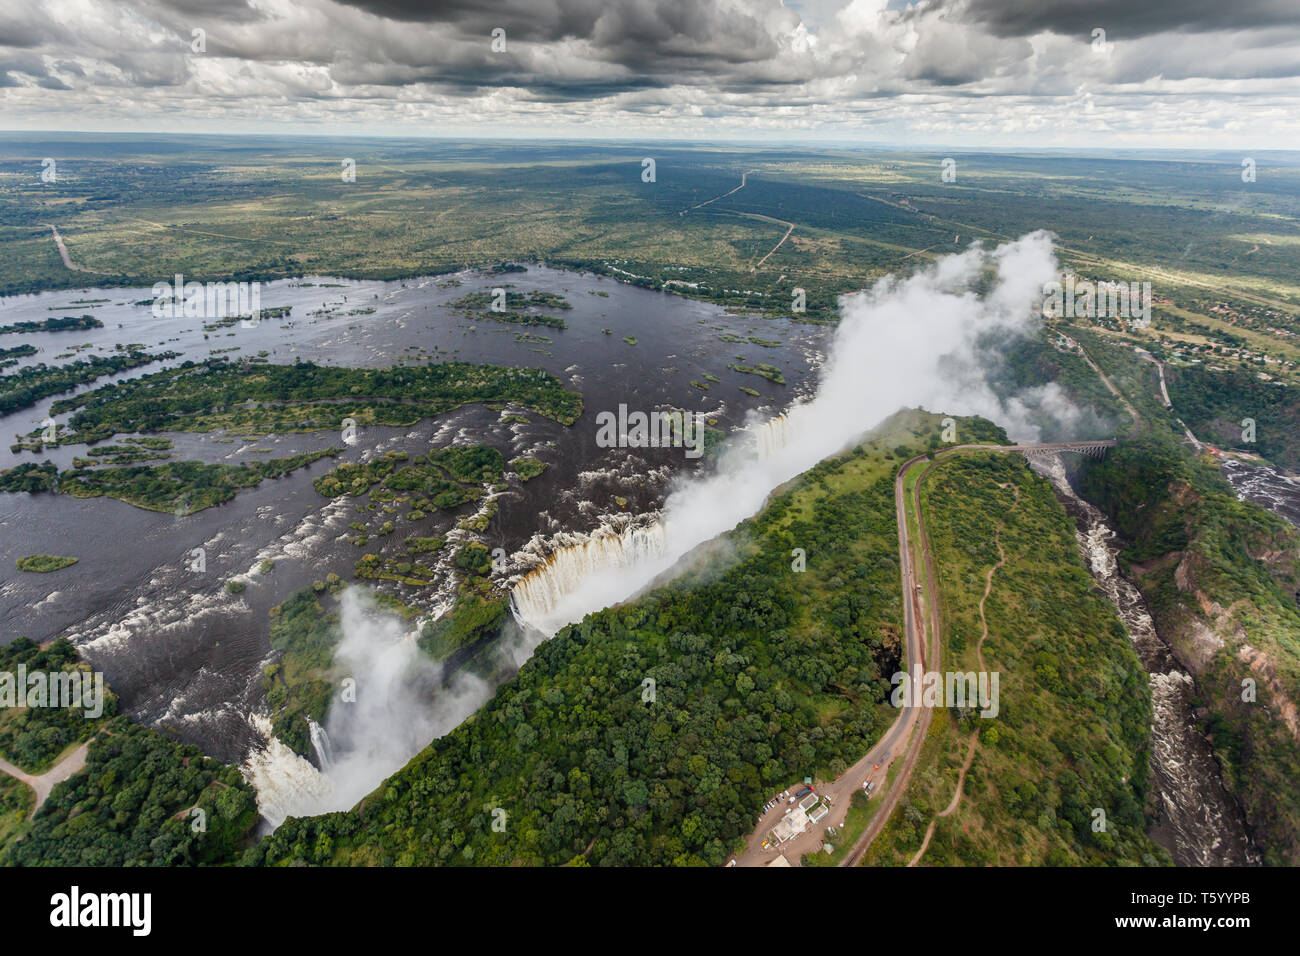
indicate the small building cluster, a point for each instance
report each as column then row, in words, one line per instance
column 807, row 811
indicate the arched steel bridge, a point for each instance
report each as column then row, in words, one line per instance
column 1093, row 449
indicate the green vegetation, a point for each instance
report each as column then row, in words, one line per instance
column 134, row 804
column 33, row 737
column 1034, row 361
column 527, row 468
column 257, row 398
column 445, row 478
column 1074, row 707
column 1215, row 405
column 44, row 563
column 1220, row 578
column 11, row 356
column 300, row 685
column 769, row 372
column 30, row 477
column 16, row 803
column 182, row 487
column 519, row 308
column 473, row 619
column 32, row 383
column 123, row 454
column 53, row 324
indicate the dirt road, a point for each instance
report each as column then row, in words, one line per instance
column 47, row 781
column 63, row 251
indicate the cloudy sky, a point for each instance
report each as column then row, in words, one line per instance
column 1189, row 73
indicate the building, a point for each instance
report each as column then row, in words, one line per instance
column 798, row 818
column 790, row 826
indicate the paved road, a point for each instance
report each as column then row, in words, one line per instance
column 907, row 734
column 915, row 718
column 1164, row 394
column 841, row 790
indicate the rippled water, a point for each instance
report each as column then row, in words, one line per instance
column 1197, row 820
column 185, row 655
column 1265, row 485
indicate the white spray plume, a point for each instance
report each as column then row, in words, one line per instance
column 401, row 705
column 904, row 343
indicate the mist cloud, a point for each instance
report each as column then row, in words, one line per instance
column 906, row 342
column 401, row 706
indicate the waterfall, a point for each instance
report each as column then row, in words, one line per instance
column 283, row 780
column 911, row 342
column 587, row 572
column 586, row 576
column 401, row 703
column 320, row 745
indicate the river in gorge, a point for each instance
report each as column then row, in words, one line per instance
column 1197, row 820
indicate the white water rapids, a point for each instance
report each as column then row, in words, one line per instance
column 1198, row 820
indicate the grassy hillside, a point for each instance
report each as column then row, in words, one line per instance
column 1074, row 709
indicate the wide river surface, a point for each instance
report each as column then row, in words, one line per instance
column 185, row 655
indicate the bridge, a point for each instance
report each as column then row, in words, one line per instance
column 1093, row 449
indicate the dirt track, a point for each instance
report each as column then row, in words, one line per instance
column 43, row 784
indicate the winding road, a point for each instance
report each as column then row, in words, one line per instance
column 921, row 626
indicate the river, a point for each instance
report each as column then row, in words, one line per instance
column 187, row 657
column 1197, row 820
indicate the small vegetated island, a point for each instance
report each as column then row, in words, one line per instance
column 521, row 308
column 10, row 357
column 30, row 384
column 528, row 468
column 762, row 369
column 256, row 398
column 53, row 324
column 44, row 563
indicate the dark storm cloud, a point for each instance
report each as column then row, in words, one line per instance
column 535, row 21
column 634, row 32
column 1123, row 18
column 967, row 65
